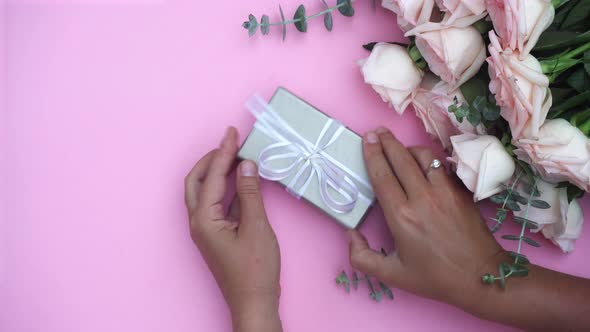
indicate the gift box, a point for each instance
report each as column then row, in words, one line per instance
column 314, row 156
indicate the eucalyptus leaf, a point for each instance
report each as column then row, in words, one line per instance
column 519, row 270
column 491, row 112
column 501, row 214
column 511, row 237
column 518, row 198
column 345, row 7
column 300, row 19
column 529, row 223
column 531, row 242
column 540, row 204
column 328, row 22
column 386, row 290
column 283, row 21
column 355, row 280
column 264, row 24
column 503, row 269
column 252, row 26
column 474, row 117
column 473, row 88
column 512, row 205
column 530, row 189
column 498, row 199
column 519, row 258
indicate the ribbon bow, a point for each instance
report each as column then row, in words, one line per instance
column 293, row 155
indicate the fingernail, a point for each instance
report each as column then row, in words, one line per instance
column 381, row 130
column 372, row 137
column 248, row 168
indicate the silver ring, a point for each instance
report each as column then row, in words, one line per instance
column 435, row 164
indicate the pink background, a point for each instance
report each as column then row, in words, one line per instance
column 109, row 105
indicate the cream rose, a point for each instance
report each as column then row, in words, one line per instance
column 410, row 12
column 519, row 23
column 431, row 103
column 454, row 54
column 456, row 9
column 482, row 164
column 561, row 153
column 521, row 89
column 392, row 74
column 562, row 222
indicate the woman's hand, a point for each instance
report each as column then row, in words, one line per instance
column 442, row 244
column 240, row 247
column 443, row 247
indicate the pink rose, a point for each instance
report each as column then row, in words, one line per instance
column 521, row 89
column 561, row 153
column 431, row 102
column 482, row 164
column 456, row 9
column 410, row 12
column 392, row 74
column 562, row 222
column 519, row 23
column 454, row 54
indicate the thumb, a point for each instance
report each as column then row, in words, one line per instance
column 249, row 196
column 371, row 262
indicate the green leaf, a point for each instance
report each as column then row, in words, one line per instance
column 283, row 21
column 355, row 280
column 300, row 19
column 512, row 205
column 503, row 268
column 473, row 88
column 530, row 189
column 577, row 14
column 572, row 102
column 491, row 112
column 519, row 258
column 345, row 7
column 386, row 290
column 540, row 204
column 579, row 80
column 531, row 241
column 252, row 25
column 529, row 223
column 370, row 46
column 474, row 116
column 519, row 270
column 587, row 62
column 264, row 24
column 553, row 40
column 560, row 94
column 558, row 3
column 498, row 199
column 501, row 214
column 518, row 198
column 328, row 23
column 511, row 237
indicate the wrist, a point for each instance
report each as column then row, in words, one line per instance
column 258, row 313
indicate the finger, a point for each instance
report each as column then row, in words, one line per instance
column 425, row 157
column 213, row 189
column 386, row 186
column 404, row 166
column 192, row 182
column 252, row 214
column 368, row 261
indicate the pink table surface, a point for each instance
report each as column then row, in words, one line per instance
column 108, row 105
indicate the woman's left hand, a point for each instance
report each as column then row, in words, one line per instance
column 240, row 247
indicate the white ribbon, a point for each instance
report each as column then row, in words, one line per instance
column 303, row 159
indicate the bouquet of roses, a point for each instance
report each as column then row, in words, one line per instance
column 504, row 85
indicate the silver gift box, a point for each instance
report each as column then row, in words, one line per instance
column 346, row 150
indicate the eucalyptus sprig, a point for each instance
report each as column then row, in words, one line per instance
column 512, row 200
column 299, row 19
column 479, row 106
column 375, row 293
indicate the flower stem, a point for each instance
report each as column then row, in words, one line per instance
column 323, row 12
column 575, row 52
column 524, row 222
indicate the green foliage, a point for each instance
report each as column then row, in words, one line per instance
column 573, row 192
column 375, row 293
column 479, row 107
column 300, row 18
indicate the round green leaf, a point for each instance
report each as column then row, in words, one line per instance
column 345, row 8
column 264, row 24
column 252, row 26
column 300, row 19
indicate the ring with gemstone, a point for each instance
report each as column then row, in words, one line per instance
column 435, row 164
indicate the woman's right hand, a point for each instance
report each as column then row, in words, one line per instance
column 442, row 245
